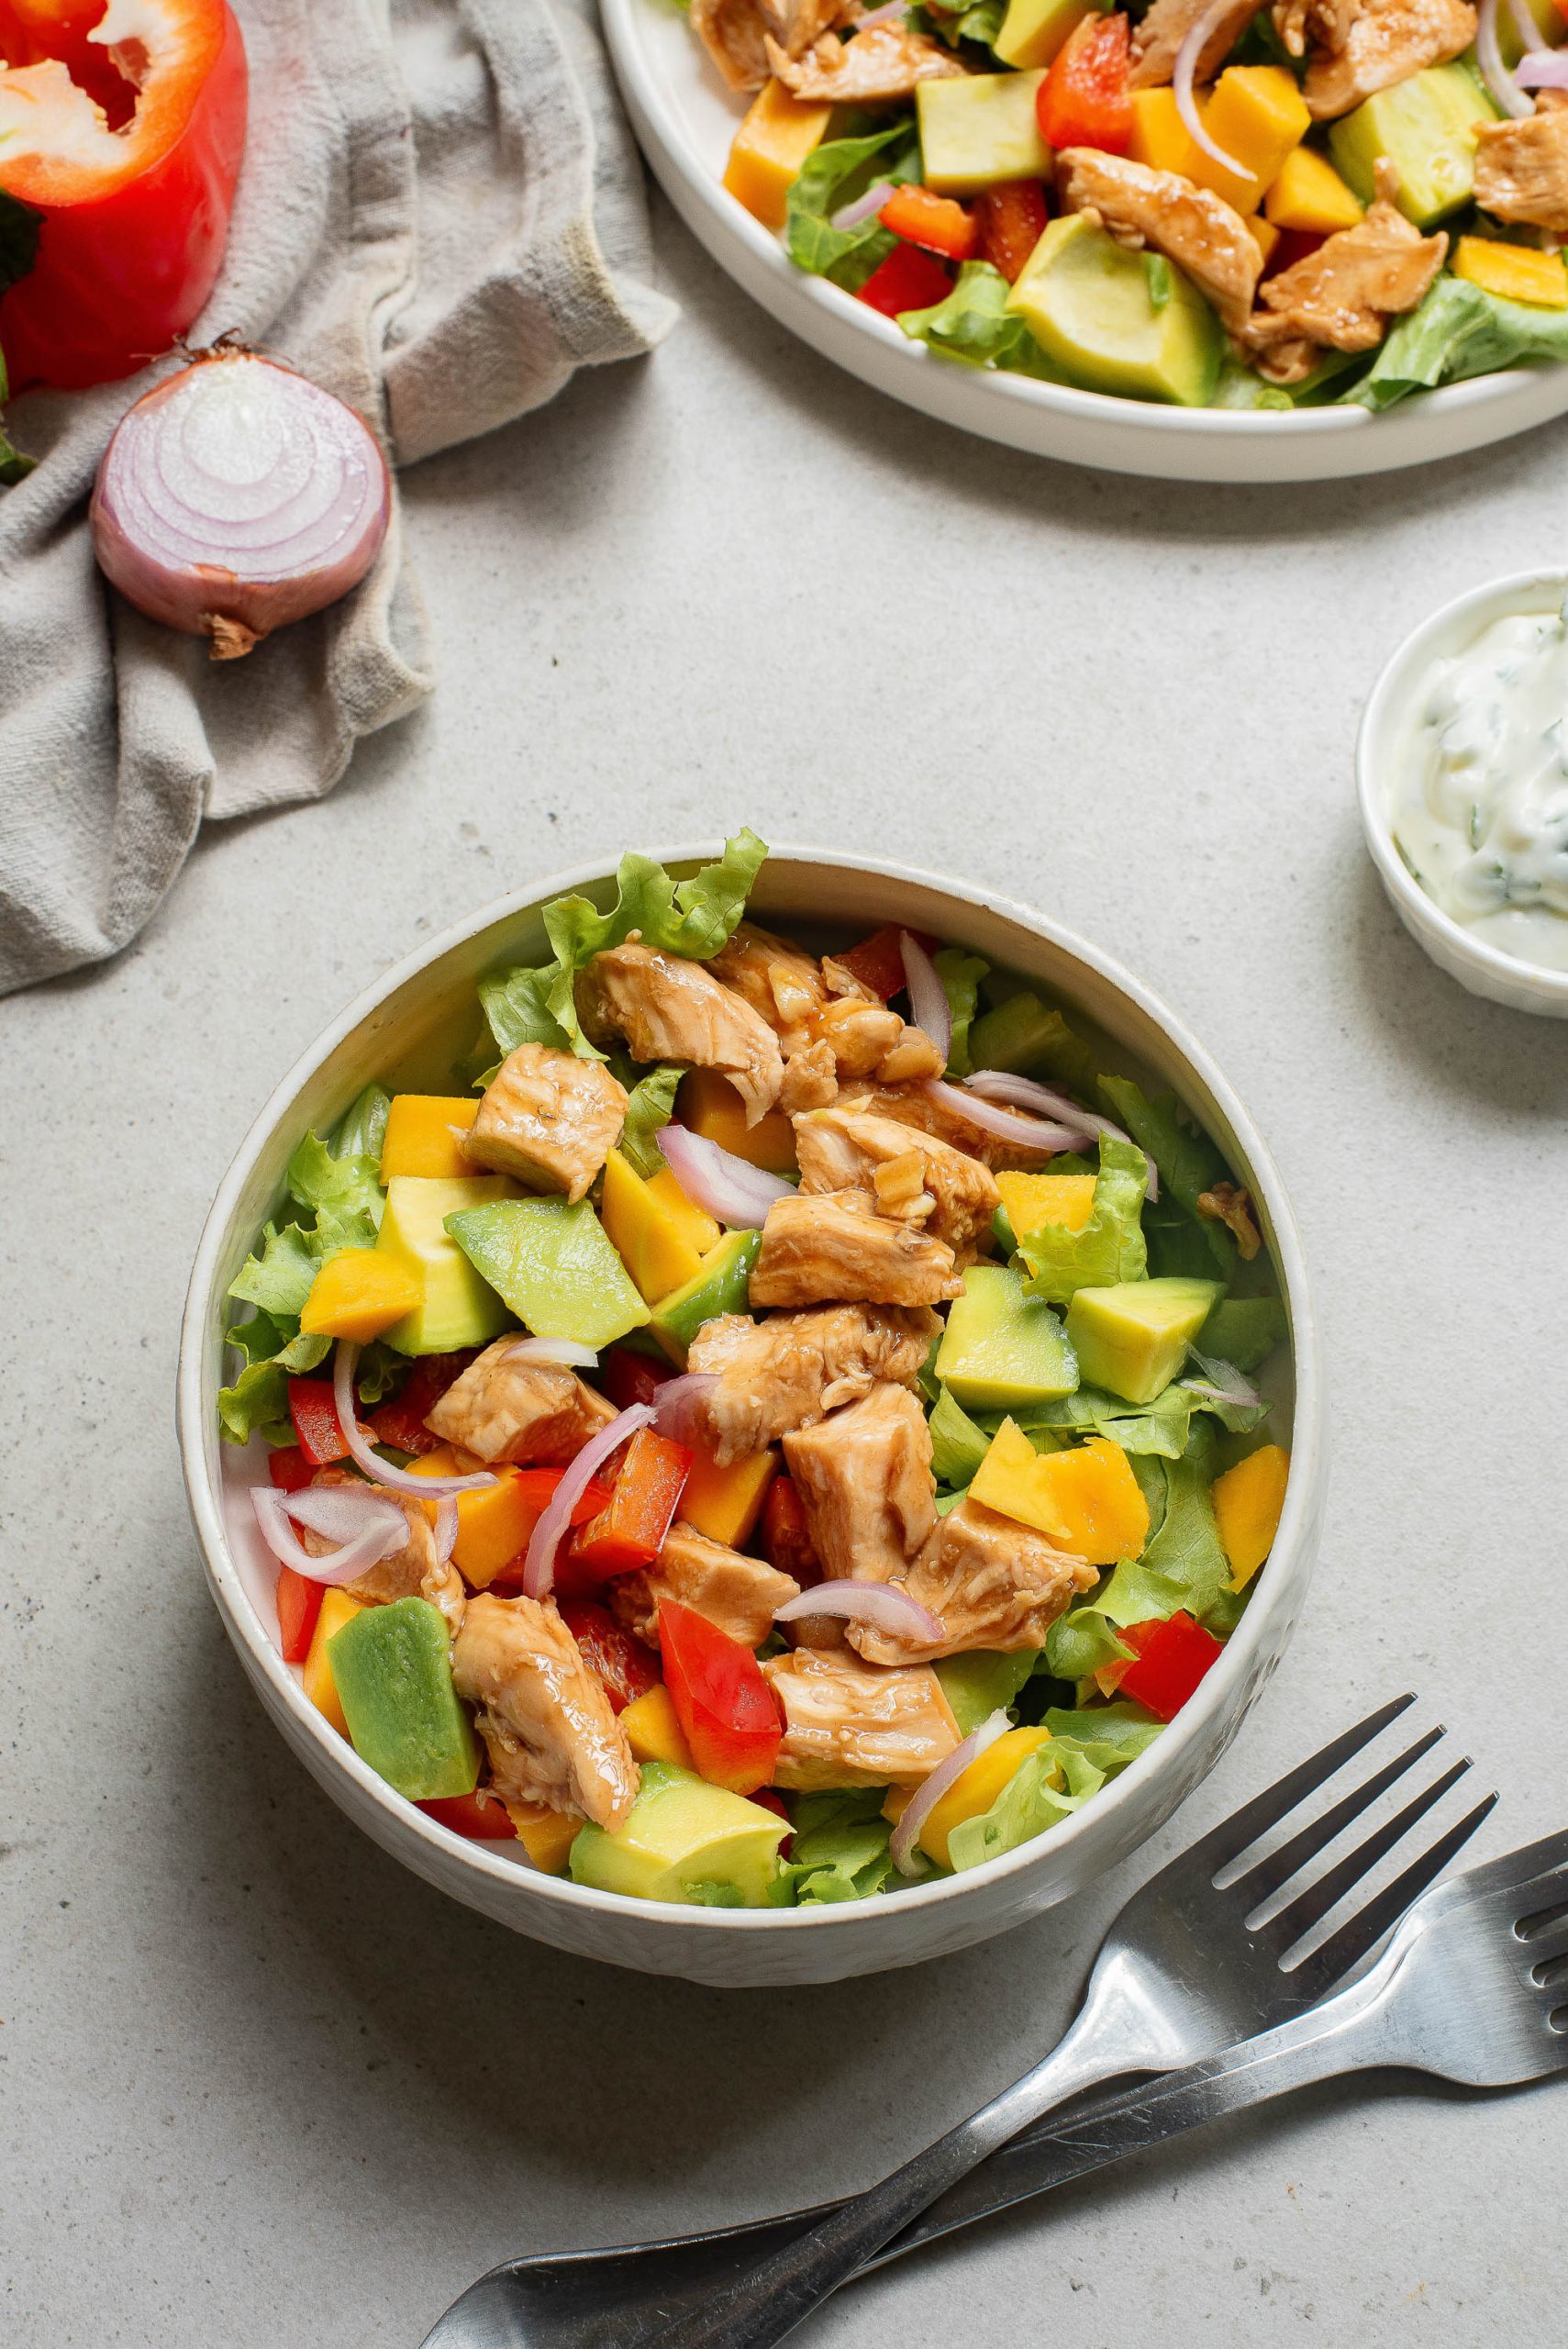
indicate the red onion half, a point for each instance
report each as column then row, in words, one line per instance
column 1023, row 1093
column 1195, row 42
column 1547, row 72
column 927, row 1795
column 1494, row 72
column 730, row 1189
column 382, row 1471
column 928, row 997
column 1024, row 1133
column 236, row 497
column 538, row 1559
column 885, row 1606
column 377, row 1537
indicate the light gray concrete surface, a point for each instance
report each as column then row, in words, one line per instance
column 260, row 2087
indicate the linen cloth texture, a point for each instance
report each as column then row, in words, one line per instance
column 440, row 216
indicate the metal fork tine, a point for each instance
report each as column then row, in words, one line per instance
column 1267, row 1874
column 1235, row 1834
column 1363, row 1932
column 1516, row 1871
column 1551, row 1945
column 1325, row 1892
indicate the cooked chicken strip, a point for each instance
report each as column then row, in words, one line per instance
column 781, row 983
column 740, row 1595
column 1326, row 23
column 842, row 1150
column 1386, row 42
column 853, row 1724
column 1343, row 296
column 1157, row 39
column 993, row 1584
column 787, row 1372
column 669, row 1009
column 914, row 1105
column 864, row 1478
column 411, row 1571
column 829, row 1246
column 548, row 1118
column 869, row 1041
column 870, row 69
column 1521, row 168
column 1206, row 237
column 520, row 1412
column 732, row 32
column 810, row 1079
column 544, row 1717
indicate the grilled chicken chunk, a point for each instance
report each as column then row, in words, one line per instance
column 544, row 1717
column 993, row 1583
column 1158, row 38
column 781, row 983
column 787, row 1372
column 410, row 1573
column 864, row 1478
column 548, row 1118
column 1521, row 168
column 868, row 1040
column 669, row 1009
column 1385, row 42
column 1206, row 237
column 1326, row 23
column 810, row 1078
column 733, row 31
column 519, row 1412
column 871, row 70
column 843, row 1150
column 740, row 1595
column 853, row 1724
column 917, row 1105
column 831, row 1245
column 1343, row 296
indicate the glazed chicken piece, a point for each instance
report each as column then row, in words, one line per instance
column 853, row 1724
column 864, row 1479
column 1157, row 39
column 810, row 1079
column 1326, row 23
column 914, row 1104
column 781, row 983
column 871, row 70
column 409, row 1572
column 733, row 31
column 1343, row 296
column 953, row 1196
column 991, row 1582
column 1206, row 237
column 1521, row 168
column 1385, row 41
column 740, row 1595
column 868, row 1040
column 669, row 1009
column 830, row 1246
column 519, row 1412
column 786, row 1373
column 544, row 1717
column 548, row 1118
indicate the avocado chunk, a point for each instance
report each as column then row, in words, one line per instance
column 1033, row 31
column 1132, row 1338
column 553, row 1263
column 983, row 1681
column 977, row 129
column 1002, row 1349
column 457, row 1308
column 1425, row 127
column 392, row 1668
column 720, row 1284
column 683, row 1840
column 1092, row 308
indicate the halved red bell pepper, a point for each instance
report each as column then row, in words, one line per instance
column 721, row 1701
column 1012, row 217
column 483, row 1820
column 627, row 1378
column 786, row 1540
column 877, row 961
column 289, row 1469
column 630, row 1531
column 133, row 212
column 907, row 280
column 315, row 1416
column 1085, row 100
column 400, row 1423
column 935, row 223
column 1170, row 1659
column 621, row 1662
column 299, row 1604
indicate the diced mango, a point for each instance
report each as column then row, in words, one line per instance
column 1033, row 1199
column 1160, row 138
column 693, row 1222
column 357, row 1295
column 493, row 1521
column 709, row 1104
column 1257, row 113
column 1086, row 1498
column 650, row 1238
column 1266, row 236
column 1513, row 272
column 769, row 150
column 653, row 1731
column 1247, row 1503
column 976, row 1789
column 337, row 1608
column 419, row 1138
column 547, row 1836
column 1308, row 193
column 725, row 1503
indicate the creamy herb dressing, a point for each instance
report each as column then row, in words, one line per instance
column 1481, row 816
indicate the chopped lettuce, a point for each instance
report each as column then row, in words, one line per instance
column 839, row 1850
column 973, row 324
column 961, row 974
column 362, row 1130
column 1459, row 331
column 831, row 178
column 1163, row 1426
column 1188, row 1162
column 977, row 20
column 979, row 1682
column 958, row 1444
column 1082, row 1642
column 1242, row 387
column 651, row 1103
column 1111, row 1735
column 709, row 1892
column 1184, row 1564
column 1245, row 1330
column 516, row 1006
column 1110, row 1247
column 1046, row 1787
column 1207, row 1373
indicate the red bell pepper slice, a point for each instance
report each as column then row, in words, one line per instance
column 1170, row 1659
column 289, row 1469
column 1085, row 100
column 907, row 280
column 877, row 961
column 630, row 1531
column 621, row 1662
column 1289, row 247
column 768, row 1800
column 299, row 1604
column 721, row 1701
column 400, row 1423
column 935, row 223
column 1012, row 217
column 786, row 1540
column 627, row 1378
column 483, row 1819
column 133, row 197
column 536, row 1487
column 316, row 1422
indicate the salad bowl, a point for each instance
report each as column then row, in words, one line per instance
column 414, row 1024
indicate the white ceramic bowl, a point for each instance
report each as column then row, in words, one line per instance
column 686, row 118
column 1380, row 747
column 410, row 1025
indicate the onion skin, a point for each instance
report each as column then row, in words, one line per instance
column 214, row 598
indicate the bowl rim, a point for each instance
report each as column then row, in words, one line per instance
column 194, row 1405
column 1385, row 705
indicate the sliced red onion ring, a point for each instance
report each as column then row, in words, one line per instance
column 1547, row 72
column 1531, row 39
column 445, row 1527
column 927, row 1795
column 538, row 1561
column 850, row 215
column 1025, row 1133
column 675, row 1411
column 1221, row 1383
column 891, row 13
column 564, row 1353
column 1193, row 46
column 340, row 1512
column 1023, row 1093
column 885, row 1606
column 730, row 1189
column 399, row 1480
column 347, row 1563
column 927, row 996
column 1494, row 72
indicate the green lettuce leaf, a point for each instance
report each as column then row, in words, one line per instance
column 515, row 1005
column 979, row 21
column 979, row 1682
column 1110, row 1248
column 345, row 1191
column 1459, row 331
column 1163, row 1426
column 1242, row 387
column 958, row 1444
column 1046, row 1787
column 707, row 1892
column 1245, row 1330
column 961, row 974
column 839, row 1850
column 973, row 324
column 651, row 1103
column 829, row 179
column 1188, row 1162
column 1082, row 1642
column 1111, row 1735
column 258, row 1401
column 1184, row 1564
column 362, row 1131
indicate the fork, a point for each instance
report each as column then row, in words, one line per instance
column 1182, row 1971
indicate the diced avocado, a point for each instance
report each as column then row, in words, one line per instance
column 983, row 1681
column 683, row 1834
column 1133, row 1338
column 1090, row 307
column 1425, row 127
column 552, row 1262
column 457, row 1307
column 1033, row 31
column 392, row 1668
column 1002, row 1349
column 1244, row 1331
column 977, row 129
column 719, row 1286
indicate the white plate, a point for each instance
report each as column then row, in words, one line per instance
column 685, row 119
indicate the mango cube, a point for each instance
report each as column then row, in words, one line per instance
column 547, row 1836
column 725, row 1503
column 975, row 1790
column 1266, row 236
column 709, row 1104
column 1308, row 193
column 769, row 149
column 1513, row 272
column 357, row 1295
column 1035, row 1200
column 1160, row 138
column 1247, row 1503
column 1257, row 113
column 337, row 1608
column 652, row 1730
column 651, row 1234
column 419, row 1138
column 1086, row 1497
